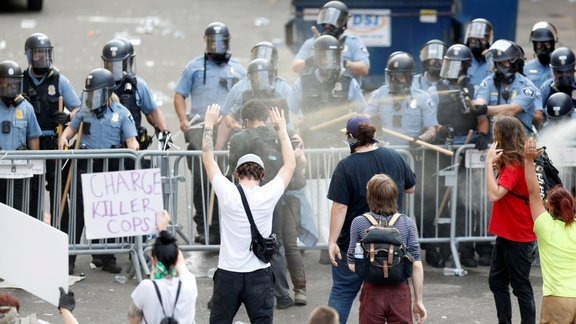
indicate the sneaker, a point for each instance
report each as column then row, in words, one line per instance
column 484, row 260
column 300, row 297
column 284, row 302
column 112, row 268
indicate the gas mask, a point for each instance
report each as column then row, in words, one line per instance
column 506, row 74
column 477, row 48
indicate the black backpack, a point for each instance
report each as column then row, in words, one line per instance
column 386, row 259
column 267, row 146
column 168, row 319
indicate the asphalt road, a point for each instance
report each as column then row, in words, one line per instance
column 169, row 33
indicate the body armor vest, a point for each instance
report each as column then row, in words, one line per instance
column 44, row 97
column 126, row 92
column 451, row 110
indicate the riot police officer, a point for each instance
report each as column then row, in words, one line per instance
column 400, row 107
column 43, row 86
column 431, row 56
column 478, row 38
column 562, row 63
column 20, row 130
column 133, row 92
column 105, row 124
column 324, row 94
column 544, row 38
column 332, row 20
column 453, row 97
column 206, row 79
column 507, row 91
column 271, row 88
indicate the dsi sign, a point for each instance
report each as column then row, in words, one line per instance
column 372, row 26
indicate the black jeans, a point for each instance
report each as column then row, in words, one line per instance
column 254, row 289
column 510, row 266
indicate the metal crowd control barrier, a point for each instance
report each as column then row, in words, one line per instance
column 450, row 205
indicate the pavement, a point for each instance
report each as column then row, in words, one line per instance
column 161, row 56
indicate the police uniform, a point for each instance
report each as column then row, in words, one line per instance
column 537, row 73
column 18, row 126
column 109, row 131
column 43, row 94
column 478, row 71
column 206, row 83
column 332, row 100
column 135, row 95
column 408, row 115
column 234, row 100
column 353, row 50
column 422, row 82
column 521, row 92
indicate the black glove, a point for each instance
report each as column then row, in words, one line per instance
column 481, row 141
column 67, row 300
column 165, row 138
column 480, row 109
column 60, row 117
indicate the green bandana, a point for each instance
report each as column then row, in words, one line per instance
column 161, row 271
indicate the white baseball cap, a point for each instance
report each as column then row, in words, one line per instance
column 250, row 158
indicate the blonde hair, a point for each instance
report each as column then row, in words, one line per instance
column 382, row 195
column 324, row 315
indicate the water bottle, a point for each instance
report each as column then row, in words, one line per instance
column 358, row 251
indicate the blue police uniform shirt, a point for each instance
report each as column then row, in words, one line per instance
column 537, row 73
column 355, row 96
column 144, row 97
column 413, row 113
column 112, row 129
column 546, row 91
column 233, row 102
column 354, row 50
column 422, row 82
column 23, row 125
column 65, row 88
column 522, row 92
column 219, row 80
column 478, row 71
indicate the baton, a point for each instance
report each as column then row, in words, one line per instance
column 69, row 179
column 417, row 141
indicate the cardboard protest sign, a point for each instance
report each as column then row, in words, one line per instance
column 122, row 203
column 33, row 255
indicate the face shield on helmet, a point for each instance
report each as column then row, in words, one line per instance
column 505, row 54
column 118, row 68
column 217, row 43
column 116, row 58
column 452, row 69
column 10, row 81
column 431, row 57
column 265, row 50
column 328, row 62
column 94, row 99
column 332, row 20
column 478, row 37
column 261, row 75
column 38, row 50
column 97, row 90
column 400, row 70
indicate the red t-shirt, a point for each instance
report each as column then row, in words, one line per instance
column 511, row 218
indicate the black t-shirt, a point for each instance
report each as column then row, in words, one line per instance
column 348, row 184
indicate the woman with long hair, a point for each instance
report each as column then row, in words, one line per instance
column 510, row 221
column 556, row 233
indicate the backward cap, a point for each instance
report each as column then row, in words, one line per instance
column 250, row 158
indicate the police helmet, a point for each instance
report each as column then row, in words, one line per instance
column 479, row 28
column 559, row 105
column 400, row 70
column 431, row 56
column 544, row 31
column 267, row 51
column 116, row 58
column 98, row 88
column 327, row 56
column 261, row 74
column 456, row 62
column 562, row 63
column 333, row 18
column 132, row 60
column 505, row 50
column 217, row 38
column 39, row 52
column 10, row 80
column 562, row 59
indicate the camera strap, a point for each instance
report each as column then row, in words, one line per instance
column 253, row 228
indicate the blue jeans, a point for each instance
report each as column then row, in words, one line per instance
column 345, row 287
column 510, row 266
